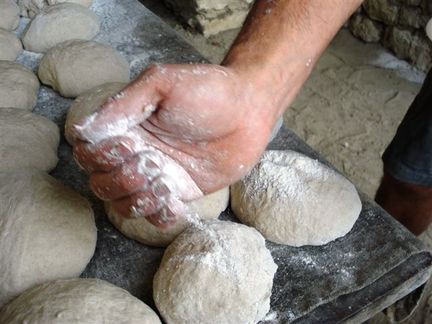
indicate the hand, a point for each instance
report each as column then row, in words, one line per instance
column 174, row 134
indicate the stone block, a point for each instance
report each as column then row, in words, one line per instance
column 415, row 48
column 412, row 17
column 385, row 11
column 211, row 17
column 410, row 2
column 365, row 28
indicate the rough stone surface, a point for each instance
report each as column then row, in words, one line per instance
column 412, row 17
column 366, row 29
column 385, row 11
column 399, row 25
column 211, row 17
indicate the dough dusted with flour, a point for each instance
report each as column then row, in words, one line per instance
column 9, row 14
column 208, row 207
column 60, row 23
column 27, row 141
column 76, row 66
column 18, row 86
column 10, row 46
column 295, row 200
column 83, row 301
column 47, row 232
column 220, row 272
column 428, row 29
column 88, row 103
column 30, row 8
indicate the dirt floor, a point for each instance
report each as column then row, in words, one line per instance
column 348, row 110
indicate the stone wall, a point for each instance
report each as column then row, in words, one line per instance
column 399, row 26
column 209, row 16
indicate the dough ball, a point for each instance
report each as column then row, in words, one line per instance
column 83, row 301
column 27, row 141
column 208, row 207
column 220, row 272
column 30, row 8
column 295, row 200
column 10, row 46
column 18, row 86
column 47, row 232
column 9, row 14
column 428, row 29
column 76, row 66
column 59, row 23
column 87, row 103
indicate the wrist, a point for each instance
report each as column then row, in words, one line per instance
column 270, row 83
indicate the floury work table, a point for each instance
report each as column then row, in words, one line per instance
column 349, row 279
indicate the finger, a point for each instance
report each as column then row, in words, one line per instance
column 133, row 105
column 104, row 156
column 140, row 204
column 125, row 179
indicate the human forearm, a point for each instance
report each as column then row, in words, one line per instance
column 282, row 40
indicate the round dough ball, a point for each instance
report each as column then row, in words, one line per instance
column 30, row 8
column 88, row 103
column 76, row 66
column 9, row 14
column 27, row 141
column 220, row 272
column 47, row 232
column 59, row 23
column 18, row 86
column 295, row 200
column 10, row 46
column 208, row 207
column 83, row 301
column 428, row 29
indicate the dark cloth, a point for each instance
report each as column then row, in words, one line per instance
column 408, row 158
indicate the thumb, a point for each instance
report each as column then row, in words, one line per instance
column 121, row 112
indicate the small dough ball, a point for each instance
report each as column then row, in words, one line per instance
column 208, row 207
column 30, row 8
column 18, row 86
column 10, row 46
column 295, row 200
column 220, row 272
column 428, row 29
column 76, row 66
column 27, row 141
column 88, row 103
column 59, row 23
column 47, row 232
column 83, row 301
column 9, row 14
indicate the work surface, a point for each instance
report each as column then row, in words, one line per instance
column 348, row 279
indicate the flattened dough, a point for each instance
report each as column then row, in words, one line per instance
column 60, row 23
column 208, row 207
column 76, row 66
column 220, row 272
column 47, row 232
column 83, row 301
column 10, row 46
column 9, row 14
column 30, row 8
column 18, row 86
column 295, row 200
column 88, row 103
column 27, row 141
